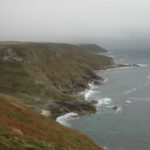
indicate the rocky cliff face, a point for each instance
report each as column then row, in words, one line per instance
column 45, row 77
column 44, row 74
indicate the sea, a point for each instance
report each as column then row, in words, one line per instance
column 122, row 121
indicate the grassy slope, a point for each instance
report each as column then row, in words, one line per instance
column 42, row 71
column 21, row 129
column 38, row 73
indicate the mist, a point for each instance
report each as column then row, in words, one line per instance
column 114, row 24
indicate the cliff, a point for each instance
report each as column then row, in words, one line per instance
column 36, row 77
column 49, row 75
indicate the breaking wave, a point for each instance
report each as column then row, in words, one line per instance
column 142, row 65
column 129, row 102
column 132, row 90
column 67, row 118
column 92, row 86
column 89, row 93
column 104, row 101
column 119, row 109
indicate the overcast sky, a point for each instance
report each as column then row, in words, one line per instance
column 75, row 20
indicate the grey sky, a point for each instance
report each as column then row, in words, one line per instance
column 74, row 20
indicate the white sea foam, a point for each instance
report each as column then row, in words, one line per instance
column 142, row 65
column 119, row 109
column 132, row 90
column 104, row 101
column 92, row 86
column 88, row 94
column 105, row 80
column 129, row 102
column 67, row 118
column 105, row 148
column 125, row 67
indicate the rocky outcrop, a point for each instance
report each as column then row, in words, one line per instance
column 128, row 65
column 78, row 85
column 58, row 108
column 123, row 65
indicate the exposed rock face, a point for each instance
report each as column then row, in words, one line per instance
column 114, row 107
column 81, row 107
column 42, row 73
column 79, row 85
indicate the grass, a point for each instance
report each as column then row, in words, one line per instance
column 37, row 73
column 45, row 70
column 40, row 134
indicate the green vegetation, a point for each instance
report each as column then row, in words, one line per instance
column 47, row 71
column 39, row 134
column 44, row 76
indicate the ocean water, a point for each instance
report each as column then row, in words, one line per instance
column 122, row 121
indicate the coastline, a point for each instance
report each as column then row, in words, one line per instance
column 67, row 117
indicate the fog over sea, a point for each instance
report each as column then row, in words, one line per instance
column 127, row 126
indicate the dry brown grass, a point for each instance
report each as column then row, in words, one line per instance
column 21, row 129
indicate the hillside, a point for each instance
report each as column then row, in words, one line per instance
column 22, row 129
column 93, row 48
column 45, row 77
column 48, row 75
